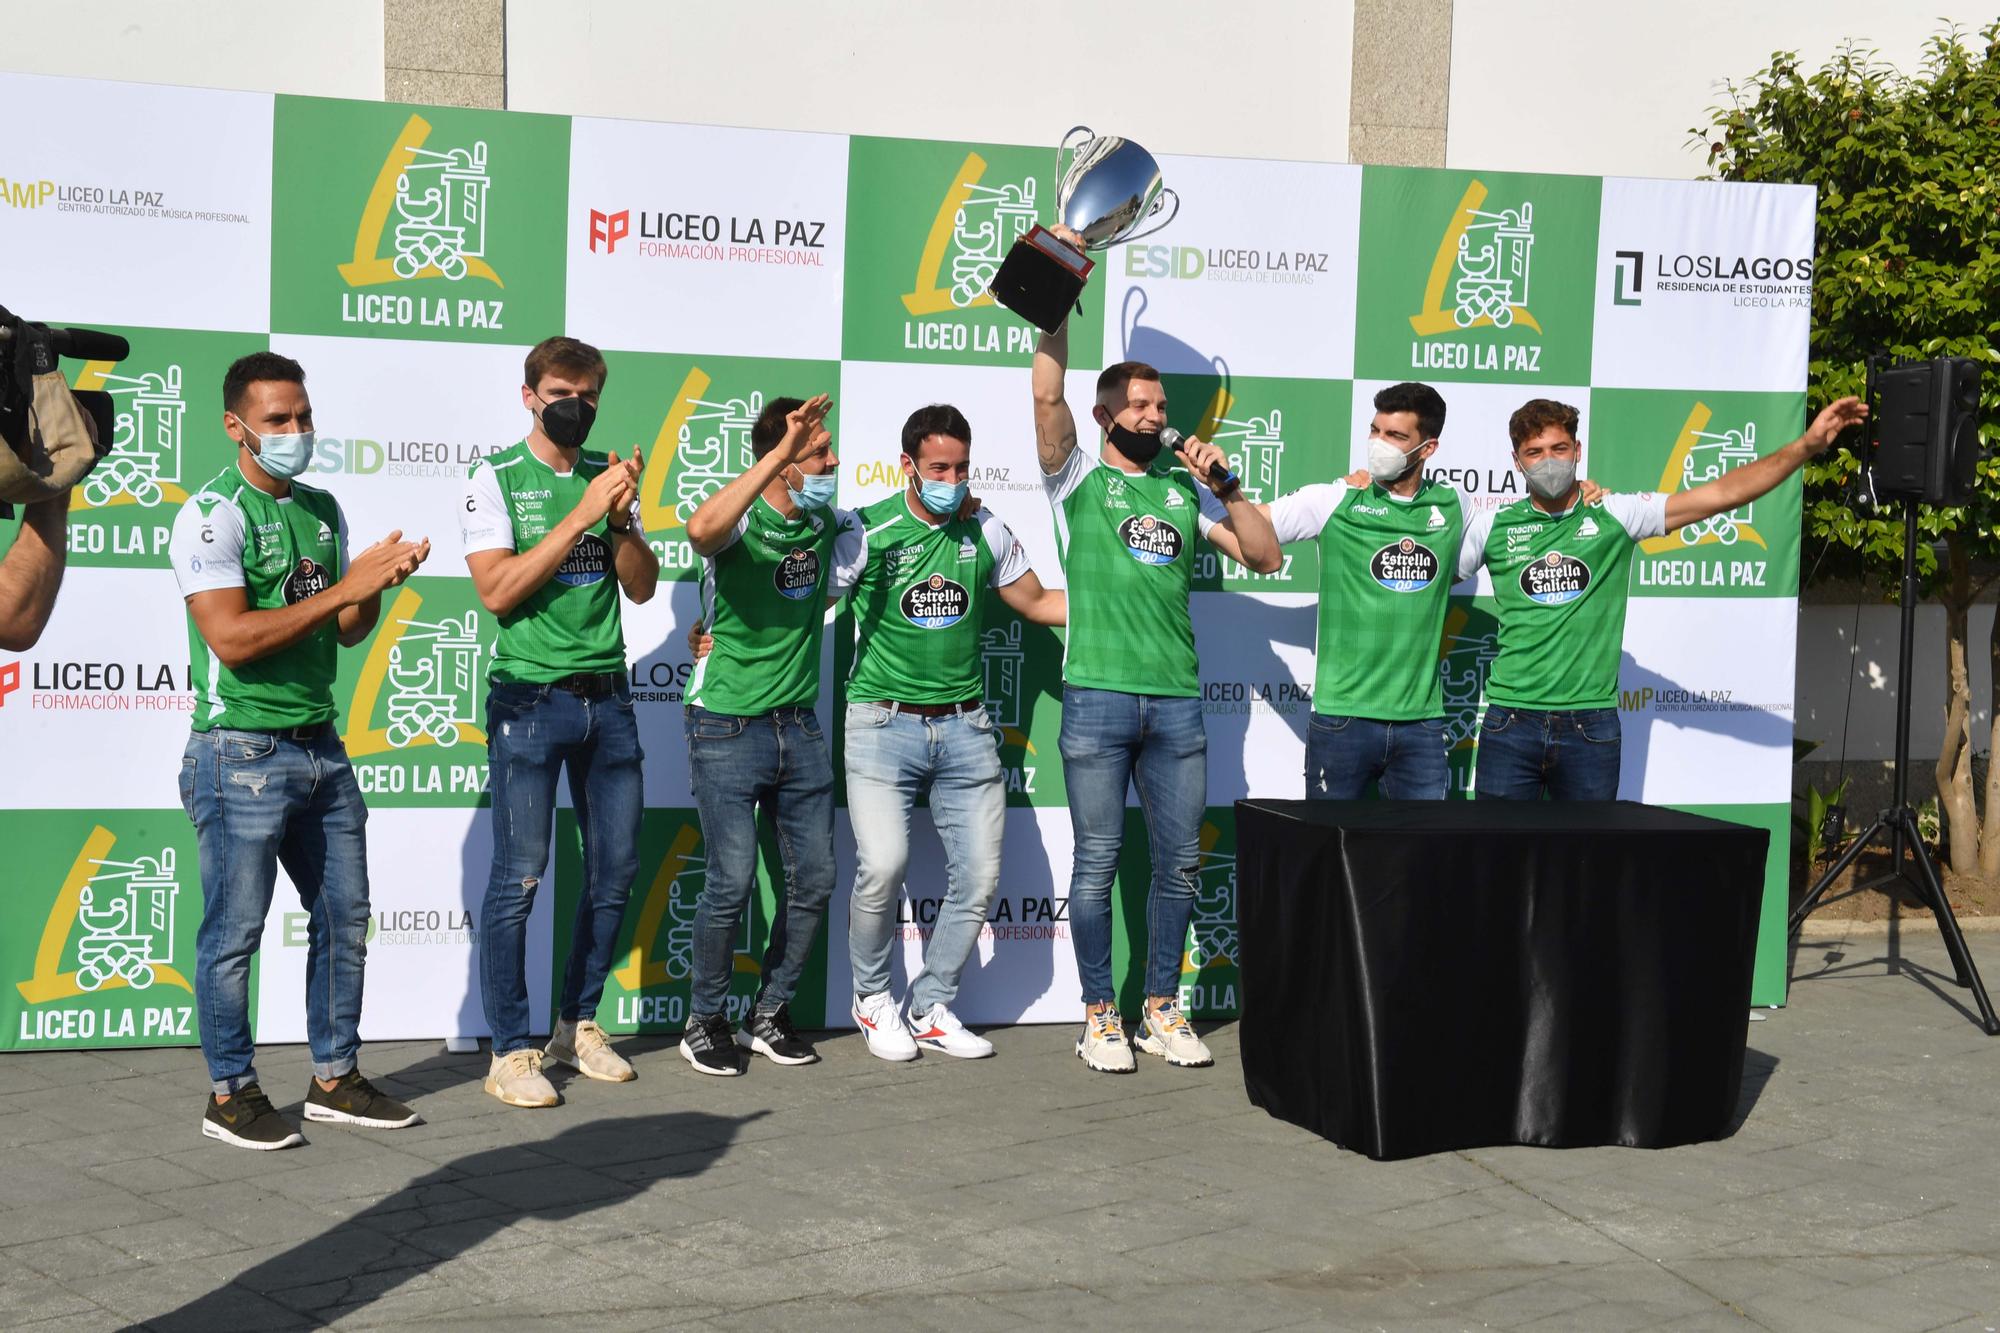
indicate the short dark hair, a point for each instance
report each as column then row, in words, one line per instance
column 568, row 355
column 1421, row 399
column 935, row 419
column 769, row 427
column 1537, row 415
column 248, row 370
column 1115, row 378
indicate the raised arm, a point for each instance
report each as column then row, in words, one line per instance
column 1055, row 424
column 1739, row 486
column 709, row 526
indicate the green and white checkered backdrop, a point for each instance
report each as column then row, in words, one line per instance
column 409, row 256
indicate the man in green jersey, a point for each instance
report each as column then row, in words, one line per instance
column 1385, row 575
column 1560, row 571
column 921, row 574
column 262, row 560
column 552, row 536
column 1126, row 528
column 767, row 542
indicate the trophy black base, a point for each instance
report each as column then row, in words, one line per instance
column 1041, row 279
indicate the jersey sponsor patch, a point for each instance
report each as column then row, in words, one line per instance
column 797, row 575
column 1404, row 566
column 587, row 562
column 1150, row 541
column 307, row 578
column 935, row 603
column 1554, row 579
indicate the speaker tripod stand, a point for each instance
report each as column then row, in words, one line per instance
column 1898, row 823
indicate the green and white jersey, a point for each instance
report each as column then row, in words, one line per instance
column 280, row 551
column 918, row 601
column 1385, row 575
column 1127, row 545
column 764, row 598
column 1561, row 582
column 571, row 623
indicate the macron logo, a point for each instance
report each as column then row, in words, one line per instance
column 609, row 228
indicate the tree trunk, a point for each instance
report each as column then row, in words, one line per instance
column 1954, row 767
column 1989, row 840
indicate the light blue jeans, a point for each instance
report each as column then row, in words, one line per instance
column 256, row 801
column 893, row 758
column 1160, row 745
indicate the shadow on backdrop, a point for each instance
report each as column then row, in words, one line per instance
column 368, row 1256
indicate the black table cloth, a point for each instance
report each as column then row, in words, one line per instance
column 1421, row 976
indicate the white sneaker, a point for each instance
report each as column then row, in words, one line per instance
column 583, row 1046
column 1167, row 1032
column 880, row 1022
column 938, row 1029
column 516, row 1079
column 1102, row 1045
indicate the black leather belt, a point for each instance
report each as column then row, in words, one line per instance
column 932, row 710
column 591, row 684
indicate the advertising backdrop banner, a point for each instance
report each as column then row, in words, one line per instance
column 409, row 256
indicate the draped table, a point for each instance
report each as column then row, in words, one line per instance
column 1422, row 976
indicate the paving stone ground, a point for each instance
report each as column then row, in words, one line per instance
column 1861, row 1191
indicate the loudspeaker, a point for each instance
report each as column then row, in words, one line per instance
column 1927, row 431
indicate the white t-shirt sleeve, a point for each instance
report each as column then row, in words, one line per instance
column 850, row 550
column 1300, row 515
column 207, row 549
column 1010, row 560
column 1065, row 479
column 1472, row 550
column 484, row 523
column 1643, row 514
column 1210, row 511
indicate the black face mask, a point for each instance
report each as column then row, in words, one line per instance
column 1142, row 447
column 567, row 421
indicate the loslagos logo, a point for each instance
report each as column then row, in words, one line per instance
column 609, row 228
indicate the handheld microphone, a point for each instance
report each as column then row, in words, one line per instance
column 82, row 344
column 1220, row 478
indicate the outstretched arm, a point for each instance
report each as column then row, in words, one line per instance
column 1028, row 599
column 1740, row 486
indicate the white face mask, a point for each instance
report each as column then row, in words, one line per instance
column 1386, row 462
column 1551, row 478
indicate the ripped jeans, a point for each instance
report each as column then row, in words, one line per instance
column 1158, row 744
column 533, row 732
column 258, row 801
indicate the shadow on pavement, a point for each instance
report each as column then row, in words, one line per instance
column 461, row 1204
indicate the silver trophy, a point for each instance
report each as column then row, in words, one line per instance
column 1106, row 193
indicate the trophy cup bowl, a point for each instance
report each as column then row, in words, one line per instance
column 1107, row 193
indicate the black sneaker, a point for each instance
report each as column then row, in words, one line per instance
column 707, row 1046
column 771, row 1034
column 356, row 1101
column 248, row 1120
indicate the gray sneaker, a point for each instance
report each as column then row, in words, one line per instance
column 1165, row 1031
column 1102, row 1045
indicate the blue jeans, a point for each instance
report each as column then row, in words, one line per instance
column 1158, row 744
column 892, row 759
column 776, row 761
column 532, row 733
column 1345, row 754
column 257, row 801
column 1572, row 755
